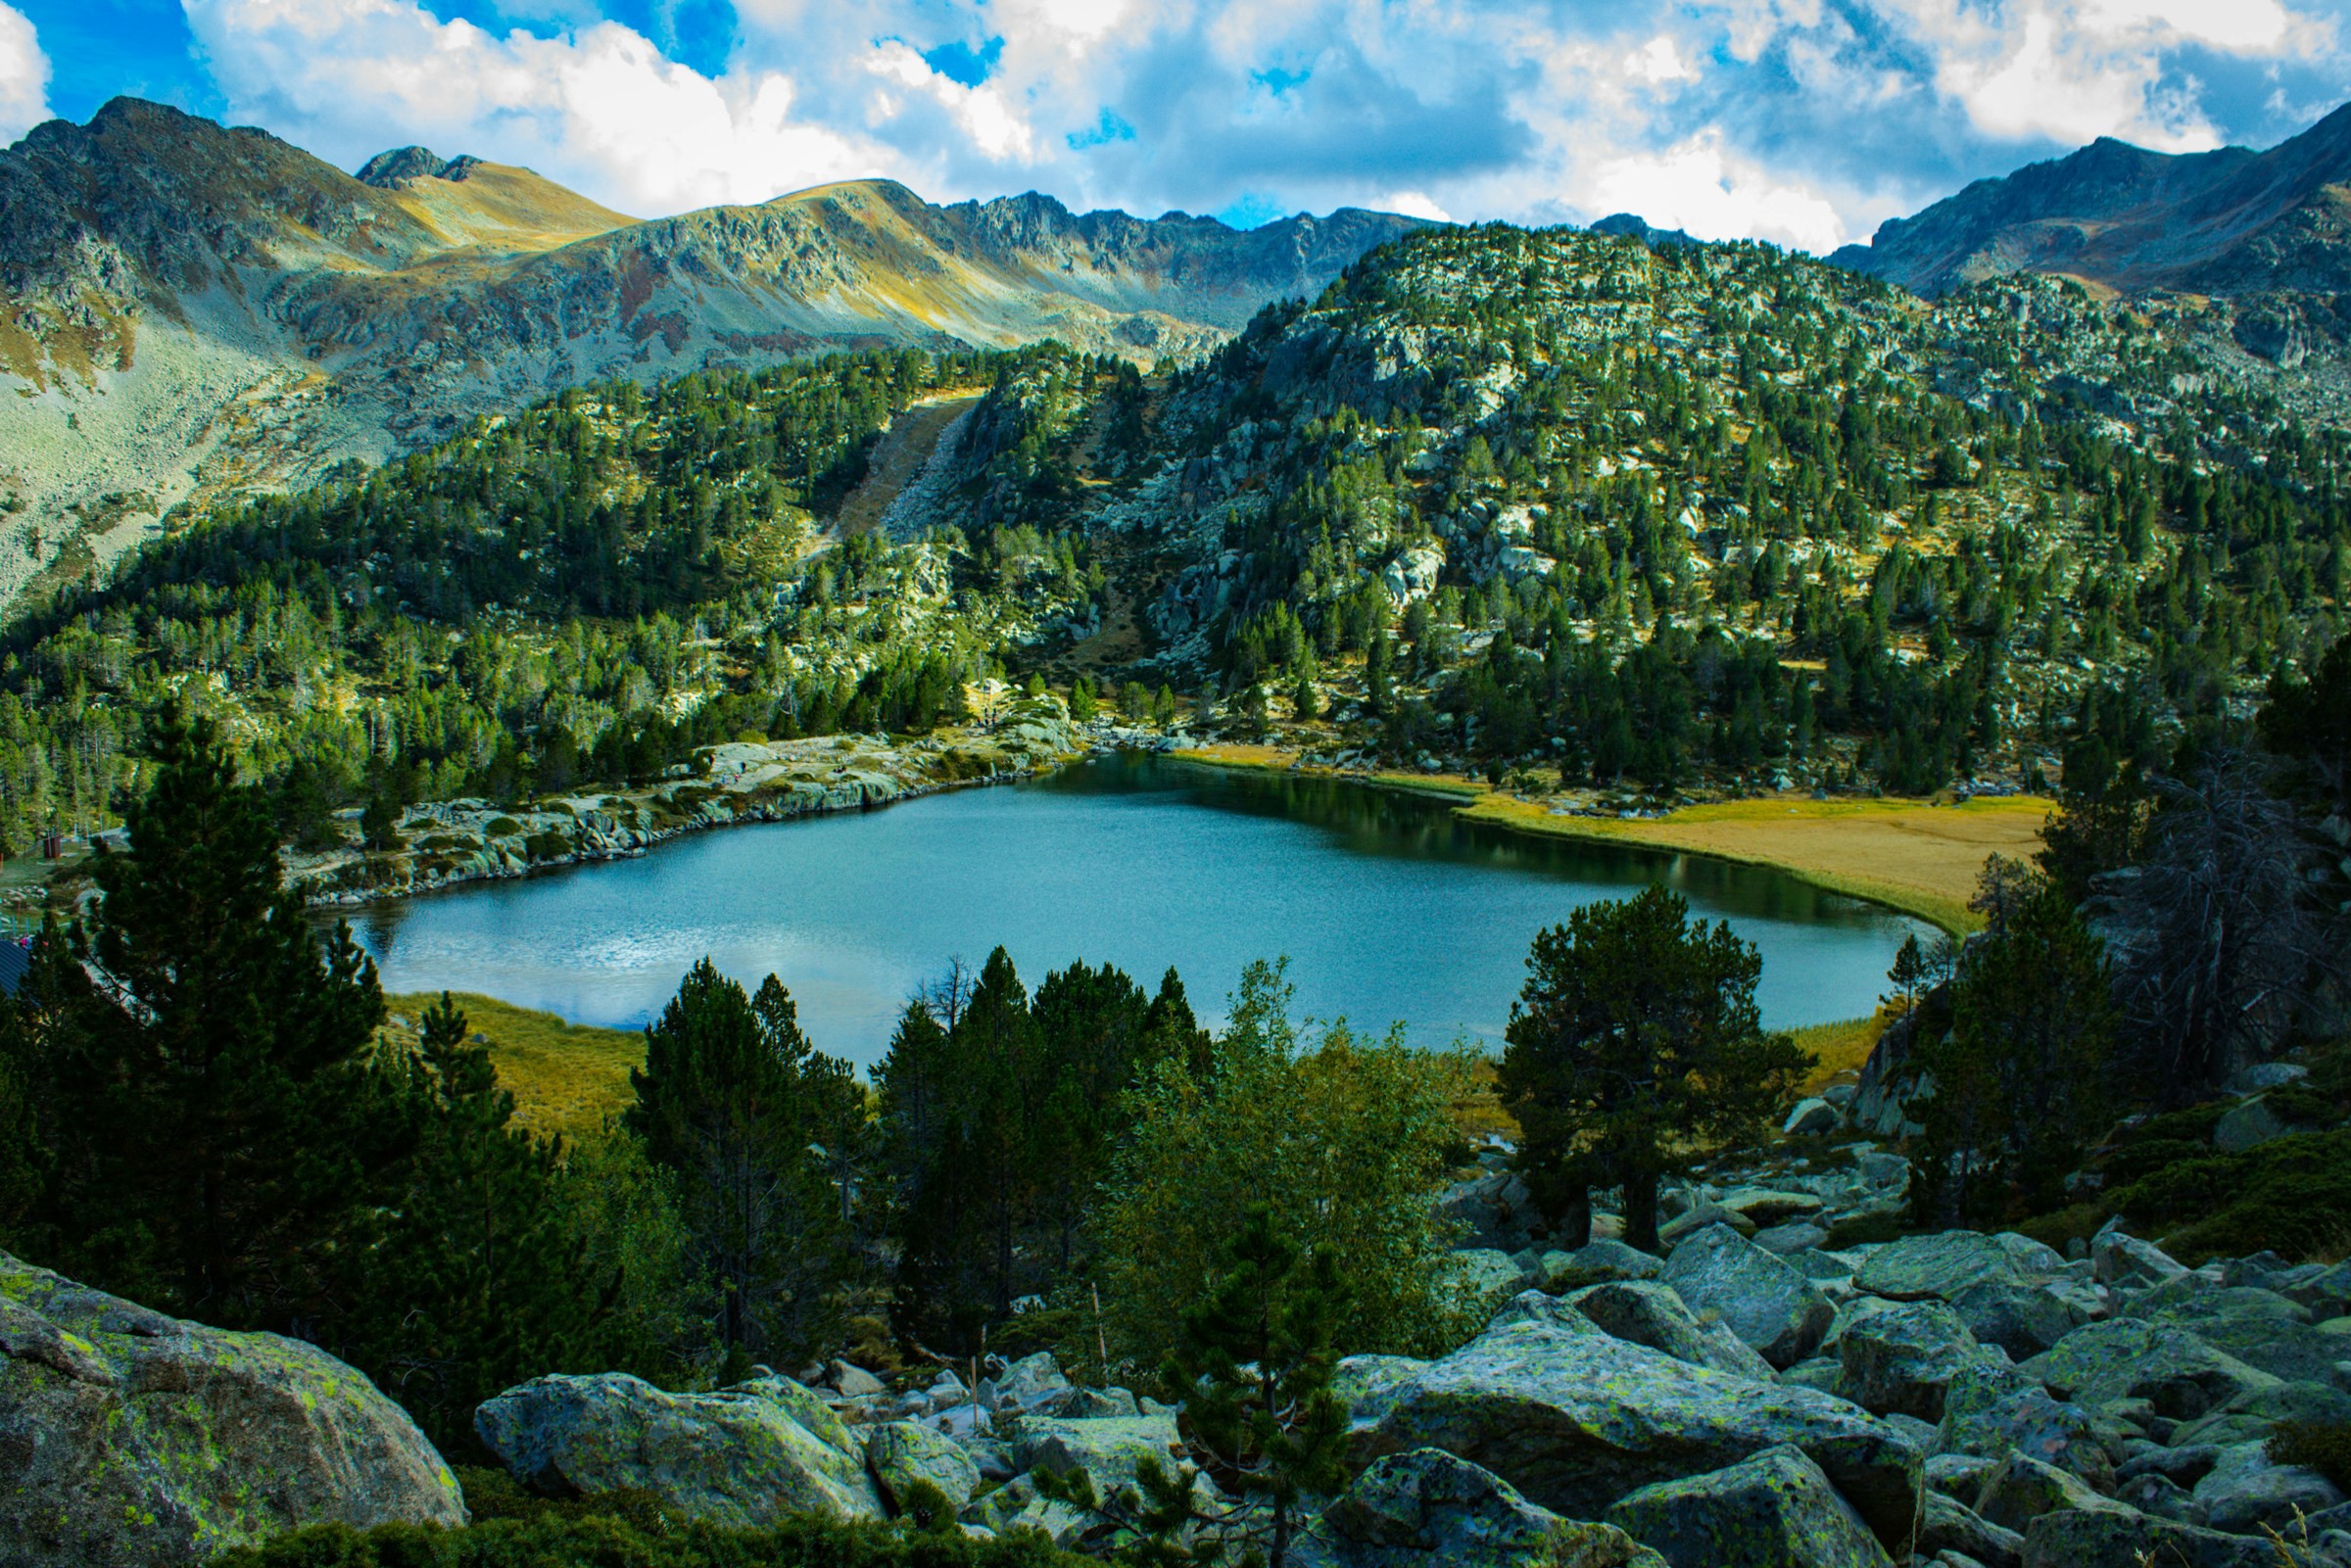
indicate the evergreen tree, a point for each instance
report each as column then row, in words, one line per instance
column 2020, row 1075
column 222, row 1128
column 723, row 1102
column 1635, row 1050
column 482, row 1281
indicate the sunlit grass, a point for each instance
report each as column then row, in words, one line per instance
column 1839, row 1048
column 565, row 1077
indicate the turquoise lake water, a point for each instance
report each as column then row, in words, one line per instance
column 1388, row 908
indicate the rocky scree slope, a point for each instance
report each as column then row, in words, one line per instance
column 1955, row 1398
column 192, row 309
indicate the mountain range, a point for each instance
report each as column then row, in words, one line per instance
column 188, row 312
column 192, row 309
column 2231, row 221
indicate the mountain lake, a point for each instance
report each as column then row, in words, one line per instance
column 1387, row 907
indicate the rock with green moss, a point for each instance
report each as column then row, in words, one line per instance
column 740, row 1456
column 901, row 1454
column 2094, row 1537
column 2125, row 1359
column 1774, row 1511
column 1577, row 1420
column 1427, row 1508
column 132, row 1440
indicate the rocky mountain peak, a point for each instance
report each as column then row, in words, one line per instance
column 390, row 170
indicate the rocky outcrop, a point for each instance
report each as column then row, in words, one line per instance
column 1775, row 1510
column 738, row 1456
column 1577, row 1420
column 1759, row 1295
column 1426, row 1508
column 132, row 1440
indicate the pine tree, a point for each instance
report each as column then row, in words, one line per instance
column 723, row 1101
column 223, row 1128
column 1635, row 1048
column 482, row 1281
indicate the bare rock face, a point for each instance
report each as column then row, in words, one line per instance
column 129, row 1438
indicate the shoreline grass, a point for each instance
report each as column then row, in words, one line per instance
column 565, row 1077
column 1935, row 850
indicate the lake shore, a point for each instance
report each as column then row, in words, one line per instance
column 1913, row 855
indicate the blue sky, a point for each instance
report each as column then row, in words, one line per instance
column 1804, row 121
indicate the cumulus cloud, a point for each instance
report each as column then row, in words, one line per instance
column 24, row 77
column 1804, row 121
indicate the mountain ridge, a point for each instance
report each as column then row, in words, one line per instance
column 2227, row 221
column 192, row 309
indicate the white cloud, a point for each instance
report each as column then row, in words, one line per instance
column 1699, row 187
column 24, row 77
column 1411, row 204
column 1797, row 121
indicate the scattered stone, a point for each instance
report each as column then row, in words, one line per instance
column 2022, row 1319
column 1902, row 1358
column 2023, row 1488
column 106, row 1411
column 1576, row 1421
column 2245, row 1492
column 2248, row 1125
column 1031, row 1382
column 855, row 1382
column 1703, row 1216
column 1813, row 1119
column 736, row 1457
column 1941, row 1265
column 1774, row 1511
column 2116, row 1259
column 1768, row 1304
column 2095, row 1537
column 1953, row 1526
column 1796, row 1236
column 902, row 1452
column 1597, row 1264
column 1483, row 1274
column 1425, row 1508
column 1646, row 1312
column 2125, row 1359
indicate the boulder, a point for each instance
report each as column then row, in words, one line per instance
column 1941, row 1265
column 2093, row 1539
column 1811, row 1119
column 1699, row 1217
column 738, row 1456
column 1774, row 1511
column 1768, row 1304
column 1796, row 1236
column 2256, row 1326
column 1597, row 1264
column 1483, row 1274
column 2126, row 1358
column 1492, row 1210
column 855, row 1382
column 129, row 1437
column 1032, row 1382
column 2244, row 1493
column 2022, row 1319
column 2024, row 1489
column 1953, row 1526
column 1993, row 1411
column 2116, row 1259
column 1768, row 1205
column 1110, row 1451
column 2252, row 1413
column 1366, row 1384
column 2247, row 1125
column 1902, row 1358
column 1576, row 1421
column 1646, row 1312
column 1425, row 1508
column 900, row 1454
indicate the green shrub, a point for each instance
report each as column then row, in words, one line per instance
column 502, row 827
column 2074, row 1222
column 546, row 846
column 589, row 1540
column 2289, row 1195
column 2323, row 1445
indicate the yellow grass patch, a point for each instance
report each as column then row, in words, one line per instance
column 1918, row 858
column 1838, row 1048
column 565, row 1077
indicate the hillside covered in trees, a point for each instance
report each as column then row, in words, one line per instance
column 1582, row 513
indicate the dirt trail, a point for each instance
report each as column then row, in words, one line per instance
column 897, row 459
